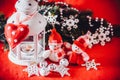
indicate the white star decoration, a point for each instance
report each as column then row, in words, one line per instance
column 62, row 70
column 44, row 69
column 32, row 70
column 51, row 18
column 91, row 64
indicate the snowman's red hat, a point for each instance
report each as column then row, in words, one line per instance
column 81, row 43
column 55, row 37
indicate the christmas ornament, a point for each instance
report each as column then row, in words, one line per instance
column 51, row 18
column 70, row 23
column 44, row 71
column 52, row 67
column 32, row 69
column 91, row 64
column 78, row 48
column 55, row 42
column 101, row 35
column 43, row 64
column 64, row 62
column 61, row 68
column 15, row 34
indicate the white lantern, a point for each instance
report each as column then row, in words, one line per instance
column 28, row 49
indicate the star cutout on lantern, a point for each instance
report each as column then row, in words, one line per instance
column 51, row 18
column 91, row 64
column 32, row 69
column 62, row 70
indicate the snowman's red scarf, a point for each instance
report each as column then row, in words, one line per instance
column 59, row 52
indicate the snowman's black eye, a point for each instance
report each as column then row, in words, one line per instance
column 29, row 4
column 13, row 21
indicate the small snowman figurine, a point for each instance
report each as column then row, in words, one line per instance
column 55, row 52
column 78, row 49
column 26, row 21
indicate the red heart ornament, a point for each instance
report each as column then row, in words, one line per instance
column 15, row 33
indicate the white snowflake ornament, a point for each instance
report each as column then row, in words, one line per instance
column 91, row 64
column 101, row 35
column 92, row 39
column 51, row 18
column 70, row 22
column 32, row 70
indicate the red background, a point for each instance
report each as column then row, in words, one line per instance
column 108, row 56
